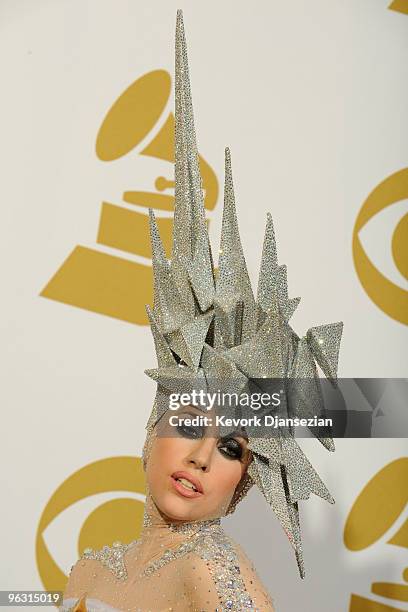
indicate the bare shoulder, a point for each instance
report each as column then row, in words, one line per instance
column 81, row 577
column 84, row 573
column 220, row 574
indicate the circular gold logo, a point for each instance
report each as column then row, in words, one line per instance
column 117, row 519
column 392, row 299
column 375, row 511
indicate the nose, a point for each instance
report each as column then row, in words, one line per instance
column 201, row 453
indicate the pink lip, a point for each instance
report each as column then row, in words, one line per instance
column 182, row 489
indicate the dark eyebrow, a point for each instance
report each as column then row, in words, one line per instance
column 236, row 433
column 193, row 409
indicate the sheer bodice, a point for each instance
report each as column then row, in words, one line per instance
column 172, row 566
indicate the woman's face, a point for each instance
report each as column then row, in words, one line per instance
column 213, row 465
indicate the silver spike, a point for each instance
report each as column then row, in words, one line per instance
column 269, row 264
column 169, row 308
column 325, row 344
column 233, row 278
column 189, row 213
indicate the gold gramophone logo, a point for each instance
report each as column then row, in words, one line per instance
column 399, row 5
column 116, row 285
column 390, row 297
column 375, row 520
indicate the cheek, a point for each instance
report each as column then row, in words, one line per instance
column 226, row 476
column 158, row 454
column 164, row 457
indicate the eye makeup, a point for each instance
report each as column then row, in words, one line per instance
column 229, row 447
column 233, row 448
column 189, row 431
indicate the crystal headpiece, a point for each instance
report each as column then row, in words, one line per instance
column 213, row 325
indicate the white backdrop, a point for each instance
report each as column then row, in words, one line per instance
column 311, row 97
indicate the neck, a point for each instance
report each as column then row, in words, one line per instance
column 154, row 521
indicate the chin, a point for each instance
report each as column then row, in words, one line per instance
column 177, row 508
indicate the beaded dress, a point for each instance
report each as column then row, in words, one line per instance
column 172, row 566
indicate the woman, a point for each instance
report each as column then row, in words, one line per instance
column 183, row 559
column 210, row 331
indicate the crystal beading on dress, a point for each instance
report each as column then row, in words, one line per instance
column 164, row 569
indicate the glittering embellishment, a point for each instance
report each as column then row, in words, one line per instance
column 301, row 477
column 189, row 214
column 188, row 340
column 195, row 527
column 169, row 307
column 214, row 328
column 306, row 394
column 111, row 557
column 233, row 278
column 269, row 264
column 212, row 556
column 168, row 556
column 223, row 565
column 165, row 357
column 261, row 356
column 325, row 344
column 209, row 541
